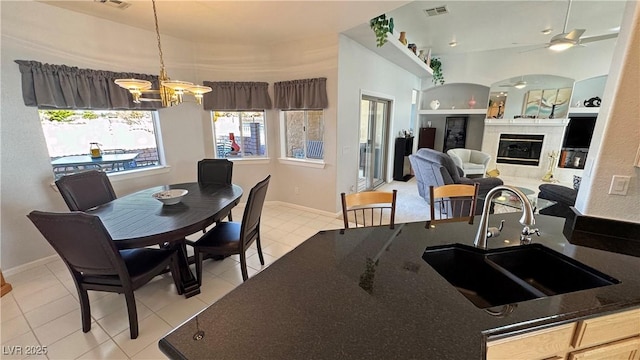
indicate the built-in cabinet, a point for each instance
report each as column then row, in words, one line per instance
column 427, row 138
column 615, row 336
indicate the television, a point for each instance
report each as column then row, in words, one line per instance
column 579, row 132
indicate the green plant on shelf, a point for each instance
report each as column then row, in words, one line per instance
column 436, row 66
column 381, row 26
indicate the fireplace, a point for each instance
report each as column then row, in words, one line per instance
column 520, row 149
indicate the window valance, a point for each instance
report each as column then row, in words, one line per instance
column 301, row 94
column 67, row 87
column 227, row 95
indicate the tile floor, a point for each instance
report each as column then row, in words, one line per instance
column 43, row 310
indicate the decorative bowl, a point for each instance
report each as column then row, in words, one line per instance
column 170, row 197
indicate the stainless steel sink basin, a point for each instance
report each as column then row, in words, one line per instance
column 508, row 275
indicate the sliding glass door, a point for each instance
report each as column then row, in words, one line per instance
column 374, row 120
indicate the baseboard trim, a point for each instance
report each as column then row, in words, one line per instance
column 30, row 265
column 300, row 207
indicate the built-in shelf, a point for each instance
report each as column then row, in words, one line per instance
column 393, row 50
column 584, row 110
column 453, row 112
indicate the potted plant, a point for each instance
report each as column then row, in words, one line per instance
column 381, row 26
column 436, row 66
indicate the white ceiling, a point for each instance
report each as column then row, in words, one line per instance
column 475, row 25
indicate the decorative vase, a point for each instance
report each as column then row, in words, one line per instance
column 413, row 48
column 403, row 37
column 472, row 102
column 435, row 104
column 422, row 55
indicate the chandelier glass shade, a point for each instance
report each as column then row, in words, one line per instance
column 171, row 91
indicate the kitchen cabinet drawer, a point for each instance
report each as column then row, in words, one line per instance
column 628, row 349
column 608, row 328
column 541, row 344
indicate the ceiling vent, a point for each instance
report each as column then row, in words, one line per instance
column 440, row 10
column 115, row 3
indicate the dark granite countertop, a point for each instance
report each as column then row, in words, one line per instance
column 309, row 305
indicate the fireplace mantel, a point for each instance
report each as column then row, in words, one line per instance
column 526, row 122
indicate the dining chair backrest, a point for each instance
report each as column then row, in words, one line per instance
column 358, row 207
column 252, row 213
column 84, row 190
column 452, row 203
column 215, row 171
column 82, row 242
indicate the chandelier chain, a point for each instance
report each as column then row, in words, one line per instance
column 155, row 16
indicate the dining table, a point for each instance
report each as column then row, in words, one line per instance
column 87, row 160
column 139, row 220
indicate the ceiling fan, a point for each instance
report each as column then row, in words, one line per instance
column 520, row 84
column 565, row 40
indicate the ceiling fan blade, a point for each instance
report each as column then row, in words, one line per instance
column 574, row 34
column 598, row 38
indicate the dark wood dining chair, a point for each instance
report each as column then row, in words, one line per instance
column 230, row 238
column 216, row 171
column 358, row 207
column 95, row 263
column 451, row 203
column 84, row 190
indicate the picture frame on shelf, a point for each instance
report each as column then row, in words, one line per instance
column 531, row 106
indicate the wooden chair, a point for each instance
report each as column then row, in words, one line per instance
column 371, row 204
column 216, row 171
column 230, row 238
column 450, row 203
column 84, row 190
column 95, row 263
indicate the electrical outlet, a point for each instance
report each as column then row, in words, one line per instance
column 296, row 190
column 619, row 185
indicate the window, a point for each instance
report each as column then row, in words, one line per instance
column 127, row 139
column 239, row 134
column 304, row 134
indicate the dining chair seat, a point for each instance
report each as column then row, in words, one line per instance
column 230, row 238
column 95, row 263
column 224, row 236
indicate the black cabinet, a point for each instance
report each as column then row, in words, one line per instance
column 427, row 138
column 401, row 165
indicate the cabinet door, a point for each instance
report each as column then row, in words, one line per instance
column 608, row 328
column 541, row 344
column 628, row 349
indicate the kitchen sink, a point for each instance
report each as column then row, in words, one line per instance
column 513, row 274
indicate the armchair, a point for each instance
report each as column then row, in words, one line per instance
column 472, row 162
column 434, row 168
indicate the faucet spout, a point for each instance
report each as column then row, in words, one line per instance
column 527, row 218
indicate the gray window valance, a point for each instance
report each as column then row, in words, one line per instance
column 227, row 95
column 301, row 94
column 67, row 87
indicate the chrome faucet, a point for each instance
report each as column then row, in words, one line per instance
column 527, row 219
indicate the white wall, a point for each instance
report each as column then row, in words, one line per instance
column 617, row 134
column 361, row 70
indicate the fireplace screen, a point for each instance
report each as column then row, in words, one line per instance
column 520, row 149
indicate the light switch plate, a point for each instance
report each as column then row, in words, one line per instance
column 619, row 185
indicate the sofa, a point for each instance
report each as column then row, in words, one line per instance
column 432, row 167
column 472, row 162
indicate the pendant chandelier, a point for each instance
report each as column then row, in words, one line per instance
column 171, row 91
